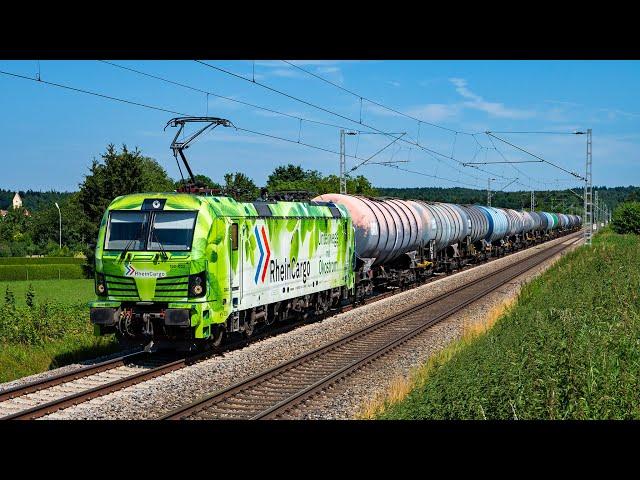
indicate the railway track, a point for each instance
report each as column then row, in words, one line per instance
column 42, row 397
column 275, row 392
column 48, row 395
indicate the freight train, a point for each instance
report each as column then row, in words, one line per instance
column 185, row 270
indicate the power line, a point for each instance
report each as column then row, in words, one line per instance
column 206, row 92
column 493, row 163
column 538, row 133
column 536, row 156
column 109, row 97
column 361, row 97
column 230, row 99
column 531, row 179
column 354, row 156
column 433, row 176
column 326, row 110
column 379, row 151
column 131, row 102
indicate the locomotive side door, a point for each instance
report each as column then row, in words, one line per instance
column 235, row 268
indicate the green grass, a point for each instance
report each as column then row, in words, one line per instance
column 17, row 360
column 53, row 332
column 569, row 349
column 66, row 291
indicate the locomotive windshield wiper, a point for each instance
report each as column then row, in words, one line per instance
column 154, row 234
column 136, row 238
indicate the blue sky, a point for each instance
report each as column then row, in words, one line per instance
column 50, row 135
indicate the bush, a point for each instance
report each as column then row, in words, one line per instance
column 41, row 272
column 626, row 218
column 42, row 323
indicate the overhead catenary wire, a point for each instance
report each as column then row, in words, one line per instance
column 536, row 156
column 157, row 108
column 300, row 119
column 326, row 110
column 88, row 92
column 153, row 107
column 531, row 179
column 362, row 97
column 230, row 99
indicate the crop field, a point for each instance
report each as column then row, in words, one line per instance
column 568, row 349
column 49, row 330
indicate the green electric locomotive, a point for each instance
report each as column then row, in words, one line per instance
column 185, row 269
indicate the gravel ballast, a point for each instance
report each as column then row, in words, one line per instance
column 346, row 399
column 156, row 397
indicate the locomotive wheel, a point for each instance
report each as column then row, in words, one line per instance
column 249, row 325
column 217, row 335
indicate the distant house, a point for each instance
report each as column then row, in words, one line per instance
column 17, row 203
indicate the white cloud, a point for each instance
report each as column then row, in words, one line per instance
column 614, row 113
column 494, row 109
column 434, row 112
column 328, row 69
column 393, row 83
column 285, row 72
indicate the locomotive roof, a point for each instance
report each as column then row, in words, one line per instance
column 229, row 207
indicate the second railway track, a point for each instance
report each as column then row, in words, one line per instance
column 278, row 391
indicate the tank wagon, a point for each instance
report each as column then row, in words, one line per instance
column 185, row 270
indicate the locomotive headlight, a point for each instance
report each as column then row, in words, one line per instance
column 101, row 285
column 197, row 284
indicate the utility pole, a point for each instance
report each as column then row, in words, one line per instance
column 343, row 165
column 596, row 212
column 60, row 217
column 588, row 191
column 343, row 161
column 489, row 191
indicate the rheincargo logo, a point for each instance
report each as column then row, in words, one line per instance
column 262, row 241
column 132, row 272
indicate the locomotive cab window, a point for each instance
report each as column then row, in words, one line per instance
column 234, row 236
column 142, row 230
column 172, row 230
column 127, row 229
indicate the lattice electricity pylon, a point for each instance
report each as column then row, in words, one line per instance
column 588, row 191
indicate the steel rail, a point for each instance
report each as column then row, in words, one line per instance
column 101, row 390
column 216, row 397
column 83, row 396
column 299, row 397
column 42, row 384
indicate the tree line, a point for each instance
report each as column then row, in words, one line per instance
column 124, row 171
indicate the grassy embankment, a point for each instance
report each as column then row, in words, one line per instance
column 569, row 348
column 54, row 331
